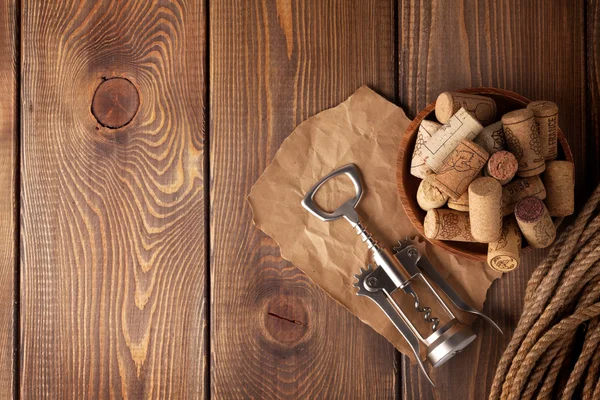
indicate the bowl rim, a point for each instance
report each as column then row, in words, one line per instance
column 412, row 129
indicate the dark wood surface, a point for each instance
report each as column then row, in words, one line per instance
column 275, row 334
column 8, row 182
column 112, row 235
column 513, row 45
column 140, row 273
column 592, row 136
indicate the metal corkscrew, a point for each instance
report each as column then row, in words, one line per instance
column 427, row 311
column 401, row 269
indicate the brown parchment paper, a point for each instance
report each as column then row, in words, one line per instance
column 365, row 130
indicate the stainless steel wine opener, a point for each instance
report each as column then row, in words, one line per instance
column 400, row 270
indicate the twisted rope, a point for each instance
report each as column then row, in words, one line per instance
column 562, row 296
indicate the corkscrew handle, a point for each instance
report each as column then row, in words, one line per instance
column 381, row 256
column 346, row 210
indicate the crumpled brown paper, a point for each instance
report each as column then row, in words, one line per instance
column 365, row 130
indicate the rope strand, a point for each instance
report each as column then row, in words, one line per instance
column 592, row 376
column 562, row 294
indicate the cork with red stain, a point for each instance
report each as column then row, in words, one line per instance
column 535, row 222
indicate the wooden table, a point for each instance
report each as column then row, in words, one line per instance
column 132, row 132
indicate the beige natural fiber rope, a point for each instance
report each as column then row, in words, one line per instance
column 562, row 299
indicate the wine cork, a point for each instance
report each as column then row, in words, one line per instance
column 461, row 204
column 518, row 189
column 523, row 140
column 559, row 180
column 485, row 209
column 461, row 126
column 502, row 166
column 429, row 196
column 535, row 222
column 546, row 115
column 460, row 168
column 503, row 254
column 445, row 224
column 448, row 103
column 418, row 167
column 491, row 138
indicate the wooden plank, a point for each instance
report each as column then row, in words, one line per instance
column 592, row 166
column 273, row 64
column 8, row 181
column 536, row 50
column 112, row 293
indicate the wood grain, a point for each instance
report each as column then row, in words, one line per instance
column 8, row 179
column 592, row 167
column 112, row 245
column 112, row 266
column 273, row 64
column 535, row 49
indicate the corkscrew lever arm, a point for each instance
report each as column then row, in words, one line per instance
column 372, row 284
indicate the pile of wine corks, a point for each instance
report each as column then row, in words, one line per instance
column 492, row 179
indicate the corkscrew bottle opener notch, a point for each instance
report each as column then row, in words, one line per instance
column 401, row 269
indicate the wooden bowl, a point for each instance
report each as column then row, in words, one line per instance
column 407, row 184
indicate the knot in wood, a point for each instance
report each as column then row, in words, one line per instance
column 286, row 321
column 115, row 102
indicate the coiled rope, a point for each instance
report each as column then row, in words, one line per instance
column 562, row 297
